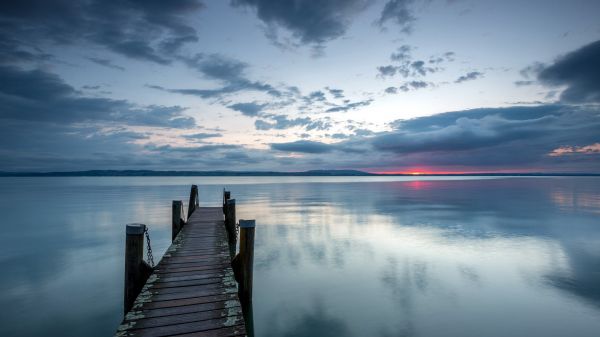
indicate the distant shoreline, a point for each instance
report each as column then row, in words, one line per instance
column 313, row 173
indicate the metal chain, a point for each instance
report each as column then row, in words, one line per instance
column 149, row 248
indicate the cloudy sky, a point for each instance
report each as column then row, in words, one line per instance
column 290, row 85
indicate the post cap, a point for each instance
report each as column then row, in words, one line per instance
column 247, row 223
column 135, row 228
column 230, row 202
column 175, row 202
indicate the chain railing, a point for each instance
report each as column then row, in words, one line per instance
column 149, row 248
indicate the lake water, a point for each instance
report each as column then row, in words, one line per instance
column 339, row 256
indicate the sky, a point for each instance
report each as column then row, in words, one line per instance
column 411, row 86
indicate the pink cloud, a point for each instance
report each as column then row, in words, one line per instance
column 568, row 150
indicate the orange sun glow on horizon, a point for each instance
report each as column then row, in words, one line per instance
column 431, row 171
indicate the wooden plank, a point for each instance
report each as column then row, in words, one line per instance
column 188, row 262
column 174, row 311
column 153, row 322
column 192, row 291
column 224, row 332
column 191, row 327
column 189, row 288
column 196, row 294
column 169, row 278
column 178, row 259
column 197, row 267
column 175, row 284
column 198, row 252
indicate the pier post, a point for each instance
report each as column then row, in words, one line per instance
column 177, row 218
column 246, row 260
column 226, row 196
column 193, row 204
column 137, row 270
column 230, row 225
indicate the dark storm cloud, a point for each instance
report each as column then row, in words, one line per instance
column 250, row 109
column 398, row 12
column 310, row 22
column 466, row 133
column 498, row 133
column 579, row 71
column 106, row 63
column 147, row 30
column 13, row 52
column 54, row 101
column 303, row 146
column 351, row 146
column 546, row 137
column 473, row 75
column 446, row 119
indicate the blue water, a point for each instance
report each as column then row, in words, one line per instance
column 341, row 256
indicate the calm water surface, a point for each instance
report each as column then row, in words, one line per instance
column 334, row 256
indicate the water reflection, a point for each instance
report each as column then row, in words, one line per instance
column 582, row 277
column 460, row 253
column 315, row 320
column 334, row 256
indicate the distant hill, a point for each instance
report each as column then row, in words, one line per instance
column 313, row 173
column 150, row 173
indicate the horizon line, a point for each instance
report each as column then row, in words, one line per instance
column 317, row 172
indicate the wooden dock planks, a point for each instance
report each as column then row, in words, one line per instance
column 192, row 291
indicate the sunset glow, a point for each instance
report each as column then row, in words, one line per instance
column 434, row 171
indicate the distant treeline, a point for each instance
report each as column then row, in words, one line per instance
column 315, row 173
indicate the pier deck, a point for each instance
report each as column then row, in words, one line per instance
column 192, row 290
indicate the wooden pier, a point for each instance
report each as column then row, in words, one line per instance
column 193, row 290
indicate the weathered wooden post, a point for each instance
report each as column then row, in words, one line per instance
column 194, row 203
column 230, row 225
column 248, row 312
column 137, row 270
column 226, row 196
column 177, row 218
column 246, row 260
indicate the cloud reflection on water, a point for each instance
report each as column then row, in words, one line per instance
column 456, row 251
